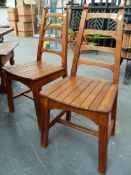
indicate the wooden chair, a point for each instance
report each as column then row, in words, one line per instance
column 90, row 98
column 37, row 73
column 6, row 54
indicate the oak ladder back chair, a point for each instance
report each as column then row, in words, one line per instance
column 93, row 99
column 37, row 73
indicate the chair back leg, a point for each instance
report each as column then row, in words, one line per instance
column 9, row 92
column 102, row 143
column 45, row 128
column 68, row 116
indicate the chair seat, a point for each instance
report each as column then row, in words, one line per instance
column 80, row 92
column 33, row 70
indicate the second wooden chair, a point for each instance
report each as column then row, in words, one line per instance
column 37, row 73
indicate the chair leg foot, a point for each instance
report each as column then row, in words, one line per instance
column 45, row 116
column 103, row 146
column 68, row 116
column 12, row 61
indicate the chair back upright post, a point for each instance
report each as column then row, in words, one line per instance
column 119, row 44
column 79, row 40
column 41, row 34
column 63, row 40
column 117, row 35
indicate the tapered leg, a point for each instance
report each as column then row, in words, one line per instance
column 12, row 61
column 2, row 81
column 37, row 102
column 45, row 115
column 9, row 93
column 103, row 144
column 113, row 116
column 68, row 116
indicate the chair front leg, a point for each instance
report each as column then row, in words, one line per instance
column 37, row 102
column 45, row 116
column 103, row 143
column 68, row 116
column 9, row 92
column 12, row 61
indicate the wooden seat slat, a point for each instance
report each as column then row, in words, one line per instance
column 38, row 72
column 70, row 90
column 107, row 102
column 56, row 86
column 86, row 103
column 71, row 97
column 34, row 71
column 17, row 66
column 63, row 87
column 44, row 74
column 94, row 106
column 31, row 66
column 78, row 101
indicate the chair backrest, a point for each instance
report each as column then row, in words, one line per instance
column 117, row 35
column 63, row 40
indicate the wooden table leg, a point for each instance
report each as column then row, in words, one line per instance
column 1, row 39
column 2, row 76
column 2, row 82
column 12, row 61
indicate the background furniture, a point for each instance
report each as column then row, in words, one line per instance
column 4, row 31
column 6, row 54
column 126, row 43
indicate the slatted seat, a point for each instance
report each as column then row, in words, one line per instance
column 80, row 92
column 37, row 73
column 34, row 70
column 93, row 99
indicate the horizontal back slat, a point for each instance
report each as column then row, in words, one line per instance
column 54, row 15
column 94, row 63
column 52, row 51
column 53, row 39
column 97, row 48
column 53, row 27
column 112, row 16
column 100, row 32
